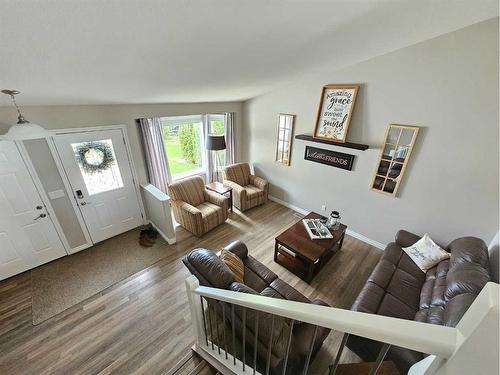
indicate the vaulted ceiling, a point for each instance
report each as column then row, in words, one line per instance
column 151, row 51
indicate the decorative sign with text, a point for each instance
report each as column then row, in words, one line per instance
column 335, row 111
column 333, row 158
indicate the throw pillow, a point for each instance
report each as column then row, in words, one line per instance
column 234, row 263
column 425, row 253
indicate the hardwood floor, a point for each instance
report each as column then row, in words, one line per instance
column 142, row 324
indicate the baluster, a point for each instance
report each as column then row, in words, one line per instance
column 217, row 326
column 244, row 333
column 256, row 334
column 234, row 334
column 311, row 347
column 381, row 355
column 288, row 347
column 224, row 327
column 204, row 322
column 333, row 368
column 209, row 316
column 269, row 346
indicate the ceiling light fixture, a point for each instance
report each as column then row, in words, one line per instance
column 23, row 129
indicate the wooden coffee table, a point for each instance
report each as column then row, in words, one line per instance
column 222, row 190
column 294, row 250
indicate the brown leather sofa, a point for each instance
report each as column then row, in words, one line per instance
column 398, row 288
column 259, row 280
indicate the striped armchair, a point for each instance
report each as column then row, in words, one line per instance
column 195, row 208
column 248, row 190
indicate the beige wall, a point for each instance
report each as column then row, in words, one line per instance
column 59, row 117
column 448, row 86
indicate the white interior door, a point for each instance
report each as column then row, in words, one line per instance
column 28, row 237
column 106, row 196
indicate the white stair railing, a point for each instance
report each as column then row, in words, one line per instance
column 444, row 344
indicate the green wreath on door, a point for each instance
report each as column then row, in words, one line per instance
column 94, row 157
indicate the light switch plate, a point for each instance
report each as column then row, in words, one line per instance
column 56, row 194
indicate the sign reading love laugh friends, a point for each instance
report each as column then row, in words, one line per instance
column 335, row 110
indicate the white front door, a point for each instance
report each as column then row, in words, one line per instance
column 28, row 237
column 100, row 174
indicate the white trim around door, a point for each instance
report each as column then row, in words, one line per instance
column 69, row 189
column 29, row 232
column 41, row 191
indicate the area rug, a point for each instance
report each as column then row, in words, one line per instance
column 58, row 285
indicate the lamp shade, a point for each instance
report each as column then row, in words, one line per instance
column 215, row 142
column 24, row 131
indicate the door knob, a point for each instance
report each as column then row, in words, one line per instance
column 39, row 207
column 84, row 203
column 41, row 216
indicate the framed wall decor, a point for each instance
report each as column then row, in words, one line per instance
column 396, row 150
column 284, row 142
column 335, row 111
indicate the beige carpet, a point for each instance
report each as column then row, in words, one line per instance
column 58, row 285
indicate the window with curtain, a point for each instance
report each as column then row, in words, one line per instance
column 184, row 141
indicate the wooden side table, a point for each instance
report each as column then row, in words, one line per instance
column 222, row 190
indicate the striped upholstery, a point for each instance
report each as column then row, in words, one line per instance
column 248, row 190
column 190, row 190
column 239, row 173
column 195, row 208
column 235, row 264
column 212, row 215
column 188, row 217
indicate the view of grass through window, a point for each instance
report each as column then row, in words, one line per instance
column 182, row 145
column 182, row 139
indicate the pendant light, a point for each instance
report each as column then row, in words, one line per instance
column 23, row 129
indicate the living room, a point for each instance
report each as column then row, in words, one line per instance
column 191, row 134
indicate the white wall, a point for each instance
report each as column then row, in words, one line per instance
column 448, row 86
column 58, row 117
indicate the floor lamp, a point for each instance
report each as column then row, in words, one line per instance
column 216, row 143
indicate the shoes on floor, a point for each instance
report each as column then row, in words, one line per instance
column 148, row 236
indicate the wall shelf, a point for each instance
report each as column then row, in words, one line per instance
column 310, row 138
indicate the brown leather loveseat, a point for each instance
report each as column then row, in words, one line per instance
column 398, row 288
column 259, row 280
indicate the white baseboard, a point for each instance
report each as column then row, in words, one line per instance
column 365, row 239
column 80, row 248
column 350, row 232
column 169, row 240
column 290, row 206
